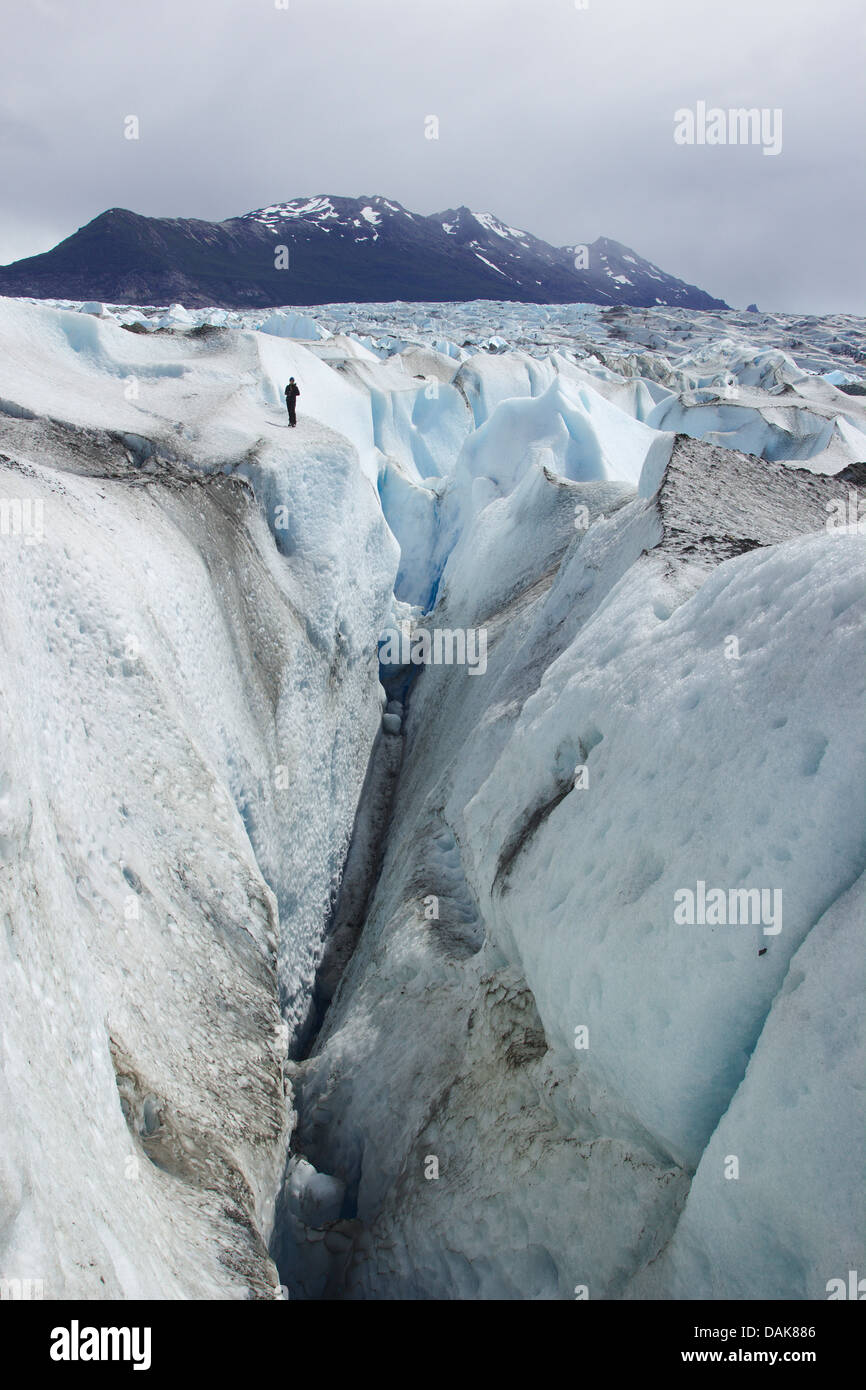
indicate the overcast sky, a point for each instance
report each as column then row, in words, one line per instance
column 558, row 119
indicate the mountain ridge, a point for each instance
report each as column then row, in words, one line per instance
column 337, row 249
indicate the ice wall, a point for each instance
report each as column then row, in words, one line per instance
column 189, row 613
column 539, row 1089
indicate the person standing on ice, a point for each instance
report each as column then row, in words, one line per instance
column 292, row 393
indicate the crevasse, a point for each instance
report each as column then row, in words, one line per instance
column 401, row 1001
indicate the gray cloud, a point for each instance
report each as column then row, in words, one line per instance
column 558, row 119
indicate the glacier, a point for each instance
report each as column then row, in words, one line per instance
column 330, row 978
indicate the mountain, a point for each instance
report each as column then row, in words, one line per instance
column 361, row 250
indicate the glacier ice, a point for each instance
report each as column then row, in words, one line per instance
column 385, row 984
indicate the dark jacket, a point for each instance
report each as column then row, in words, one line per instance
column 293, row 390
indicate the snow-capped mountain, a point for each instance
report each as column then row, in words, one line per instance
column 337, row 249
